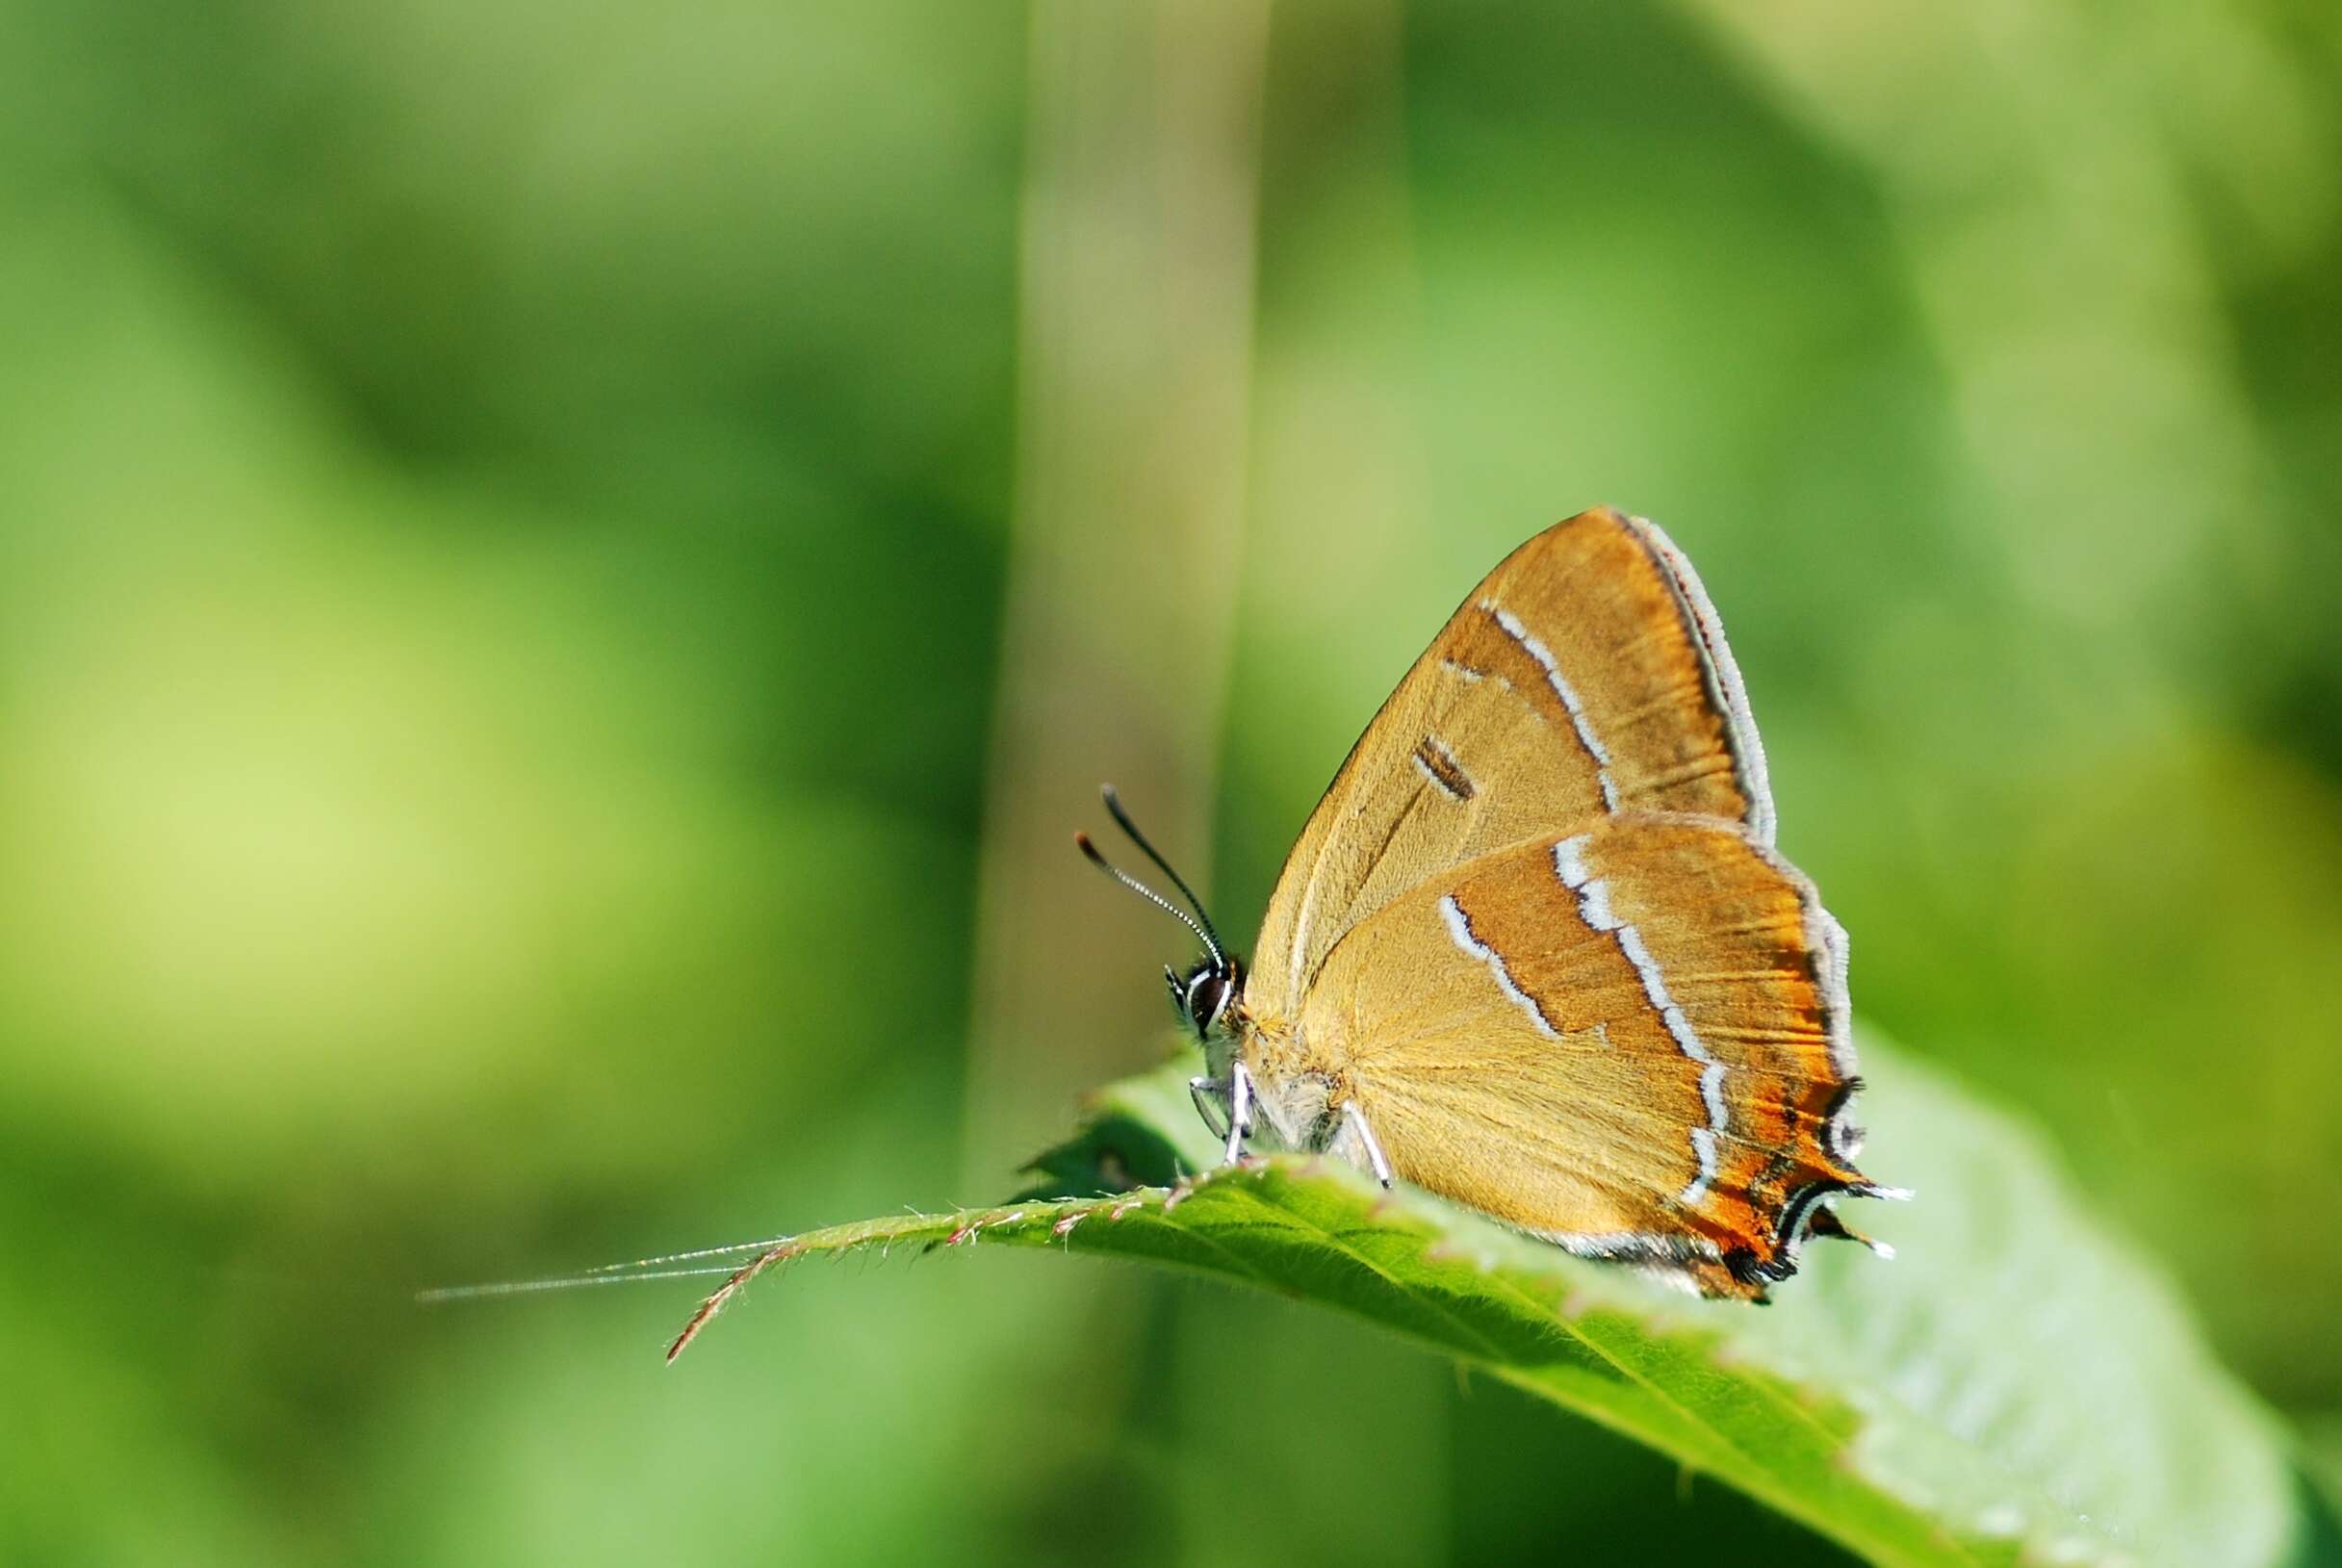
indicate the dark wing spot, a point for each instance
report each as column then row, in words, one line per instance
column 1439, row 765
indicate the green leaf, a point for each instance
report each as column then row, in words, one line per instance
column 1142, row 1132
column 2014, row 1387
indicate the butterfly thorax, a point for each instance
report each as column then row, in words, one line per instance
column 1301, row 1088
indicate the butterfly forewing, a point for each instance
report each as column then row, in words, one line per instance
column 1629, row 1039
column 1585, row 676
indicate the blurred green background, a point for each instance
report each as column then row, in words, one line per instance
column 565, row 576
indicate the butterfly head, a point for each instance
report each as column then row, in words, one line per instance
column 1207, row 993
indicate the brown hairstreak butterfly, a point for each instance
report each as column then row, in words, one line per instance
column 1534, row 950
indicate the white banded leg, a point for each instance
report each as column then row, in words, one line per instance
column 1354, row 1123
column 1226, row 1106
column 1240, row 1110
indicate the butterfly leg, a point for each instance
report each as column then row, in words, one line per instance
column 1211, row 1097
column 1353, row 1126
column 1240, row 1110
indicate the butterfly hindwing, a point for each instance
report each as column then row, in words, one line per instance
column 1585, row 674
column 1629, row 1038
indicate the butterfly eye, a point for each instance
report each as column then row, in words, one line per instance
column 1202, row 1000
column 1206, row 996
